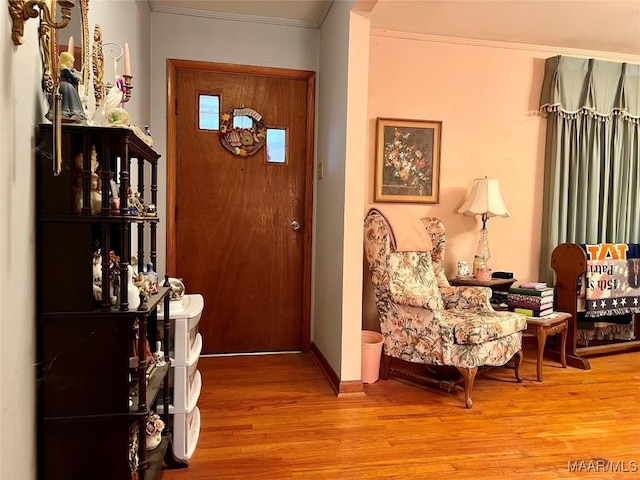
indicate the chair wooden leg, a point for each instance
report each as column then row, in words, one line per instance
column 469, row 375
column 385, row 366
column 517, row 360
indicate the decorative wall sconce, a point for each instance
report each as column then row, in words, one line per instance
column 22, row 11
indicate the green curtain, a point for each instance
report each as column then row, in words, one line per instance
column 592, row 154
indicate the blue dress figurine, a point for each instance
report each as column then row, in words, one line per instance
column 72, row 110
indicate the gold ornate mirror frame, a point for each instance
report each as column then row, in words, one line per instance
column 97, row 62
column 49, row 45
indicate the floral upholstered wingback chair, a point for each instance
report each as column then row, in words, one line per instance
column 424, row 319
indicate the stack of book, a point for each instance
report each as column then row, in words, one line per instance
column 531, row 299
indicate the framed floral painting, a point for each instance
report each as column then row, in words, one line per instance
column 407, row 161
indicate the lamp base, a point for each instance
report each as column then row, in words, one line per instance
column 483, row 246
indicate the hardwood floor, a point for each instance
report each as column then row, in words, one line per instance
column 275, row 417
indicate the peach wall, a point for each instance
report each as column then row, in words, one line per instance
column 354, row 192
column 486, row 98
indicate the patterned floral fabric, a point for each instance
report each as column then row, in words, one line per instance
column 475, row 326
column 463, row 298
column 453, row 297
column 411, row 280
column 456, row 327
column 435, row 230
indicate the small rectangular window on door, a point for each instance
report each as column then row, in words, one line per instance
column 277, row 145
column 209, row 112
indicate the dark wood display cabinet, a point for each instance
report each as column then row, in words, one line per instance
column 96, row 380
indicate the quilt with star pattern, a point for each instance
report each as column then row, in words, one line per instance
column 612, row 287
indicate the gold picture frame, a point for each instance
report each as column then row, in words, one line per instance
column 407, row 161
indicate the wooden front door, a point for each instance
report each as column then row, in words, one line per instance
column 235, row 236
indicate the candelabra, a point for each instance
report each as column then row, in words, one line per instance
column 115, row 52
column 128, row 85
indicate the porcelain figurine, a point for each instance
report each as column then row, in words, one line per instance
column 97, row 279
column 112, row 101
column 158, row 355
column 72, row 110
column 96, row 192
column 463, row 269
column 152, row 279
column 133, row 292
column 153, row 431
column 177, row 288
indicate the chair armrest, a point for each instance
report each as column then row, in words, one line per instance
column 466, row 297
column 430, row 303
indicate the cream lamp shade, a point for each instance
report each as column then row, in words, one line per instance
column 485, row 199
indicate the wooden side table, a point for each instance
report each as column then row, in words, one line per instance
column 499, row 284
column 542, row 327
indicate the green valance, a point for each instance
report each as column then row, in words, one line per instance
column 598, row 88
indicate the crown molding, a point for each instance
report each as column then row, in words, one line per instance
column 234, row 17
column 423, row 37
column 324, row 13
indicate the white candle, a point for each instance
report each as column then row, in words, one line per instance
column 127, row 60
column 71, row 46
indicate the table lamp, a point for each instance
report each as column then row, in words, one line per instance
column 485, row 200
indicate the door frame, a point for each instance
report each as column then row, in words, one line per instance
column 173, row 67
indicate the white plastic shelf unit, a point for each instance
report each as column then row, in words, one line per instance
column 184, row 376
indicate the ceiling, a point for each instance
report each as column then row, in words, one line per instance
column 302, row 13
column 597, row 25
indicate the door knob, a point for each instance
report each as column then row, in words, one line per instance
column 295, row 225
